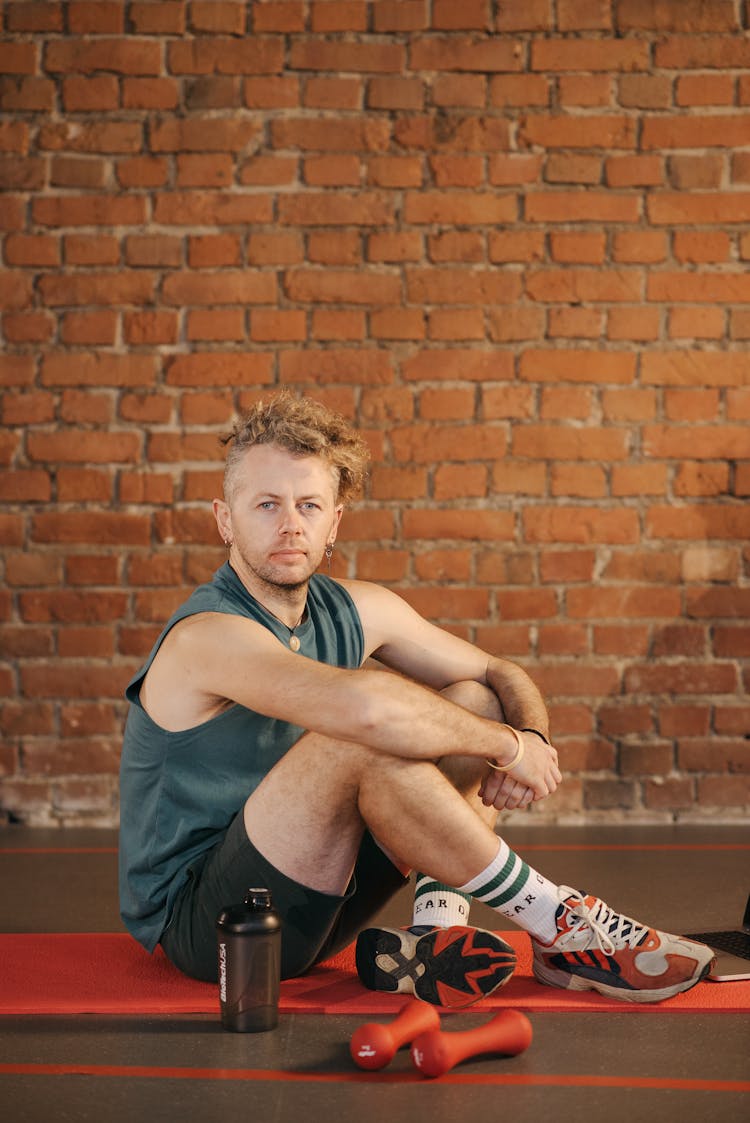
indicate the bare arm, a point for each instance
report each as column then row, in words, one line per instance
column 403, row 640
column 218, row 658
column 522, row 703
column 212, row 660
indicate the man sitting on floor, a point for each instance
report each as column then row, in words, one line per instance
column 260, row 750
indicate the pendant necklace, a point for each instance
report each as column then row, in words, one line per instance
column 294, row 641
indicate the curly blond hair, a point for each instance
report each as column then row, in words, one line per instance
column 304, row 428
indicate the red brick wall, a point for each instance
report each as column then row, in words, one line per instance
column 510, row 240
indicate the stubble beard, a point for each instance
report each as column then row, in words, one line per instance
column 272, row 578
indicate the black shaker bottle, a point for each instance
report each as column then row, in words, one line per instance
column 248, row 940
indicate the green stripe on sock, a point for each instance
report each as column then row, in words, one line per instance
column 497, row 880
column 426, row 888
column 511, row 891
column 438, row 903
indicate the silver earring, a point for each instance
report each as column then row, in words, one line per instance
column 329, row 555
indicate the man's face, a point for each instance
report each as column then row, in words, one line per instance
column 281, row 516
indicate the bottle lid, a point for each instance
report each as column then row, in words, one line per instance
column 258, row 898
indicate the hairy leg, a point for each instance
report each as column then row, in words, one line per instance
column 308, row 815
column 465, row 772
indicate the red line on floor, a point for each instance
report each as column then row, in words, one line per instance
column 634, row 846
column 569, row 1080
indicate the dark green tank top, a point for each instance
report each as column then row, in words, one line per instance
column 180, row 791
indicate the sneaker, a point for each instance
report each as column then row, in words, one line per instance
column 598, row 949
column 451, row 967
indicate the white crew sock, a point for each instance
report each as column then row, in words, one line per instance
column 438, row 905
column 518, row 892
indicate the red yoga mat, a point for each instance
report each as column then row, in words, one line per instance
column 95, row 973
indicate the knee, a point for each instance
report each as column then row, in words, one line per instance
column 476, row 697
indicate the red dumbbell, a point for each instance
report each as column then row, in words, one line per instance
column 435, row 1053
column 374, row 1045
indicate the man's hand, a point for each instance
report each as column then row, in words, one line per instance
column 535, row 777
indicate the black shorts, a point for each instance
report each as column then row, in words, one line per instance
column 315, row 925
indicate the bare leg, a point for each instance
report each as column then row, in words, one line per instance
column 308, row 815
column 440, row 959
column 465, row 772
column 437, row 905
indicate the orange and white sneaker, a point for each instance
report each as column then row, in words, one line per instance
column 597, row 948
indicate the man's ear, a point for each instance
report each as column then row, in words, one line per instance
column 223, row 517
column 337, row 513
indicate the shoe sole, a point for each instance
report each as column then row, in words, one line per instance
column 552, row 977
column 450, row 967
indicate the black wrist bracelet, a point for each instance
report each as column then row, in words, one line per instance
column 537, row 733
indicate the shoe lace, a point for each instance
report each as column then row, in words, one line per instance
column 610, row 929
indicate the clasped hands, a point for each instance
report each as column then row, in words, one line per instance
column 536, row 776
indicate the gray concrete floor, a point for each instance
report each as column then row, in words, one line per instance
column 619, row 1067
